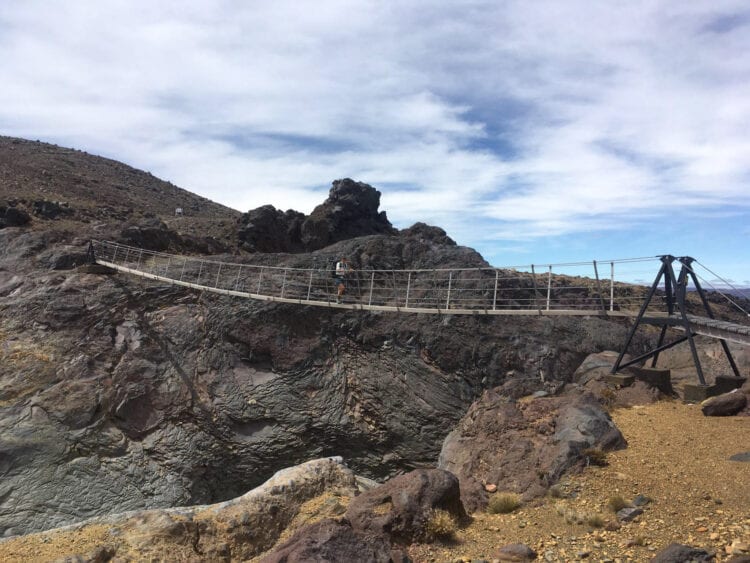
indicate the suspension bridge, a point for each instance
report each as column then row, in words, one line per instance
column 566, row 289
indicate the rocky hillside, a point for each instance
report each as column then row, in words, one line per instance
column 51, row 182
column 118, row 394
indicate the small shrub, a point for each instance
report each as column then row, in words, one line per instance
column 556, row 491
column 504, row 503
column 616, row 503
column 595, row 456
column 440, row 525
column 595, row 520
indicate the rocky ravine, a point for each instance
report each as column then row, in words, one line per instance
column 117, row 394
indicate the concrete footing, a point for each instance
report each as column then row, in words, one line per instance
column 698, row 393
column 727, row 383
column 655, row 377
column 619, row 379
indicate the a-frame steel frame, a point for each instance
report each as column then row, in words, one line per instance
column 675, row 294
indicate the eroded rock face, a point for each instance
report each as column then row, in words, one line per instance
column 400, row 508
column 524, row 446
column 235, row 530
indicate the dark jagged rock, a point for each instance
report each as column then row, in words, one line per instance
column 153, row 234
column 524, row 446
column 727, row 404
column 428, row 234
column 267, row 229
column 350, row 211
column 13, row 217
column 629, row 513
column 51, row 209
column 401, row 507
column 679, row 553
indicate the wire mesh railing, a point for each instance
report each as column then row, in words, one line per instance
column 572, row 288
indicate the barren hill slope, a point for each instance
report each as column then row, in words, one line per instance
column 99, row 189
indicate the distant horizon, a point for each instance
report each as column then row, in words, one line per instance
column 533, row 132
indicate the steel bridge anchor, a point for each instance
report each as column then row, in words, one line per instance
column 675, row 293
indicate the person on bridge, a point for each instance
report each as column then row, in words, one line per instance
column 342, row 271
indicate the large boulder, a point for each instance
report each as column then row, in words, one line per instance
column 727, row 404
column 351, row 210
column 400, row 508
column 524, row 446
column 13, row 217
column 267, row 229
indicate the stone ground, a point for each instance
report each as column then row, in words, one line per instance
column 676, row 456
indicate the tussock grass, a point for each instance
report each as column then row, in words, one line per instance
column 616, row 503
column 504, row 503
column 595, row 456
column 572, row 516
column 556, row 491
column 441, row 525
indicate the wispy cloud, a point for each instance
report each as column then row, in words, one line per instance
column 537, row 119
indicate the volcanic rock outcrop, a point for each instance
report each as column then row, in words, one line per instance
column 524, row 446
column 234, row 530
column 350, row 211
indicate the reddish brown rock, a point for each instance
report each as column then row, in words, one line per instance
column 524, row 446
column 400, row 508
column 515, row 552
column 329, row 540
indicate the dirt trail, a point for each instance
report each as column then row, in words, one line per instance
column 676, row 456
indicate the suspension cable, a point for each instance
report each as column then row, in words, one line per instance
column 717, row 290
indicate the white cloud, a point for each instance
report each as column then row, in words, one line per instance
column 541, row 118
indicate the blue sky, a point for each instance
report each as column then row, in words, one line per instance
column 534, row 131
